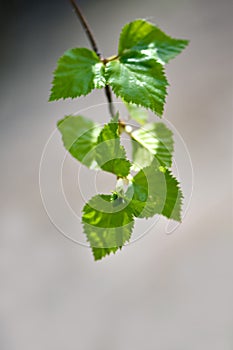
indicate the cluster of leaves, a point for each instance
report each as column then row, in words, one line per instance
column 136, row 74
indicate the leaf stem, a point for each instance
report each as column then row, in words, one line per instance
column 94, row 46
column 109, row 59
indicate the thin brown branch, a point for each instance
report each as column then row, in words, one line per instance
column 86, row 27
column 108, row 94
column 94, row 46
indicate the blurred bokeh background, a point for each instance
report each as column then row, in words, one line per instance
column 166, row 292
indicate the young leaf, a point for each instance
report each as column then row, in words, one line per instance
column 138, row 79
column 141, row 156
column 148, row 191
column 136, row 113
column 80, row 136
column 153, row 139
column 110, row 154
column 144, row 37
column 78, row 72
column 107, row 223
column 155, row 191
column 173, row 204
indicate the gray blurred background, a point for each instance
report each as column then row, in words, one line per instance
column 166, row 292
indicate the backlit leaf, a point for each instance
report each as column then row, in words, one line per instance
column 107, row 223
column 148, row 39
column 80, row 136
column 153, row 139
column 110, row 154
column 78, row 72
column 138, row 79
column 136, row 113
column 147, row 194
column 155, row 190
column 173, row 204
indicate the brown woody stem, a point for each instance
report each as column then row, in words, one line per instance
column 94, row 46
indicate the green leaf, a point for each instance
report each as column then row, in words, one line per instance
column 80, row 136
column 148, row 39
column 78, row 72
column 108, row 224
column 173, row 204
column 153, row 139
column 155, row 191
column 141, row 156
column 110, row 155
column 147, row 194
column 139, row 80
column 136, row 113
